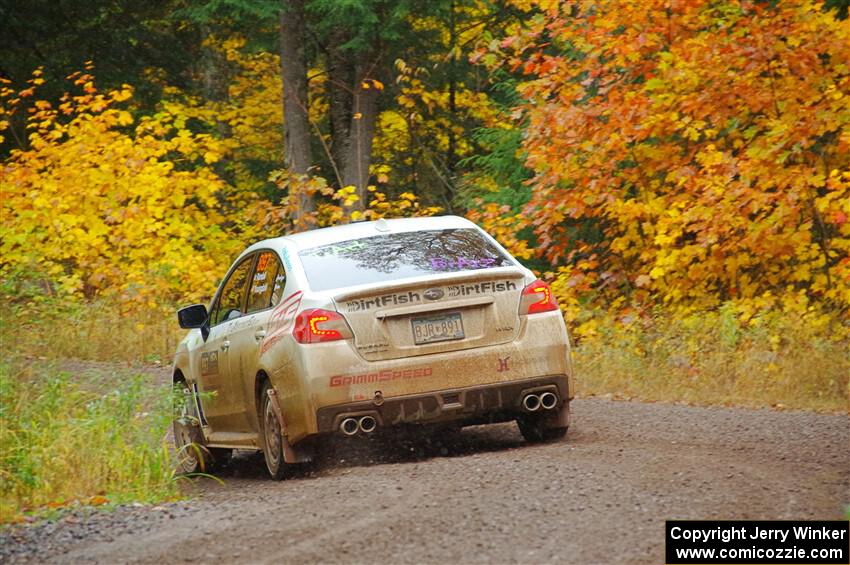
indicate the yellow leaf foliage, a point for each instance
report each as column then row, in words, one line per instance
column 102, row 203
column 337, row 205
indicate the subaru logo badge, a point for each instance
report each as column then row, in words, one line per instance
column 433, row 294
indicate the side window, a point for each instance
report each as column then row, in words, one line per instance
column 229, row 304
column 264, row 285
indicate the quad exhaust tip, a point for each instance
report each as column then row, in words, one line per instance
column 548, row 400
column 534, row 402
column 368, row 424
column 349, row 426
column 531, row 402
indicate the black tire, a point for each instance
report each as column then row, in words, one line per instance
column 271, row 436
column 535, row 429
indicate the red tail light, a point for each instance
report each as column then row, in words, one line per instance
column 317, row 325
column 537, row 297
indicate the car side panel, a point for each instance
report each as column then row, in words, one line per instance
column 212, row 359
column 242, row 367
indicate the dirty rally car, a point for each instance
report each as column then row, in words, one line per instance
column 361, row 328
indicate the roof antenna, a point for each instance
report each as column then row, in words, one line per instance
column 382, row 225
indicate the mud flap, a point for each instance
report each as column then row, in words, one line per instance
column 290, row 453
column 564, row 416
column 558, row 418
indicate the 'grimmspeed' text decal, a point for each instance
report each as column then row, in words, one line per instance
column 381, row 376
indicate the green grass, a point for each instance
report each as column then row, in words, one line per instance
column 62, row 442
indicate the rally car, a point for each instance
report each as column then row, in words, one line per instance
column 361, row 328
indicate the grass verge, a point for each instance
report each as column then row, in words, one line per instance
column 100, row 330
column 62, row 442
column 713, row 357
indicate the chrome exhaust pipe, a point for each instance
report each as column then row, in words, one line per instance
column 368, row 424
column 348, row 426
column 531, row 402
column 548, row 400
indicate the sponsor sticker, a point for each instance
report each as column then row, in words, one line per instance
column 287, row 260
column 385, row 300
column 481, row 288
column 381, row 376
column 209, row 363
column 411, row 297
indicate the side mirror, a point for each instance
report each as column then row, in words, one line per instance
column 194, row 316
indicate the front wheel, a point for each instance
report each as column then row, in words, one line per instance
column 192, row 455
column 272, row 440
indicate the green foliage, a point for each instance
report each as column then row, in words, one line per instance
column 63, row 443
column 841, row 7
column 361, row 21
column 502, row 164
column 127, row 39
column 233, row 9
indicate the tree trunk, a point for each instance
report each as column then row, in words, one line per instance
column 214, row 71
column 215, row 76
column 358, row 150
column 340, row 85
column 451, row 154
column 296, row 121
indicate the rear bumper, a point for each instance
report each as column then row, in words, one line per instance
column 329, row 378
column 478, row 404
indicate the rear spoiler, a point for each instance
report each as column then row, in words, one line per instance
column 437, row 279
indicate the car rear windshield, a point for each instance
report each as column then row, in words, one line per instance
column 396, row 256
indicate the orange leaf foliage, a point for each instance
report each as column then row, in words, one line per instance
column 693, row 151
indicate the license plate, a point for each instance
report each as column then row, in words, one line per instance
column 432, row 329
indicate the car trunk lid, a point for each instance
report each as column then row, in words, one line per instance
column 449, row 313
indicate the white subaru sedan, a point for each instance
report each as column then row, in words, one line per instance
column 362, row 328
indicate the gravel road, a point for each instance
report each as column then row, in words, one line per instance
column 601, row 496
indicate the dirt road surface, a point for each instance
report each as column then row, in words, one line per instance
column 599, row 497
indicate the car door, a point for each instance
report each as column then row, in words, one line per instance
column 267, row 283
column 222, row 399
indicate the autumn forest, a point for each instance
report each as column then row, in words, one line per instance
column 679, row 171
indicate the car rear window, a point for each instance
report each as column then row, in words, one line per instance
column 394, row 256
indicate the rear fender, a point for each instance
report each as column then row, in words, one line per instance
column 291, row 454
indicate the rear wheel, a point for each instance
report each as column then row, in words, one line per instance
column 539, row 428
column 272, row 439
